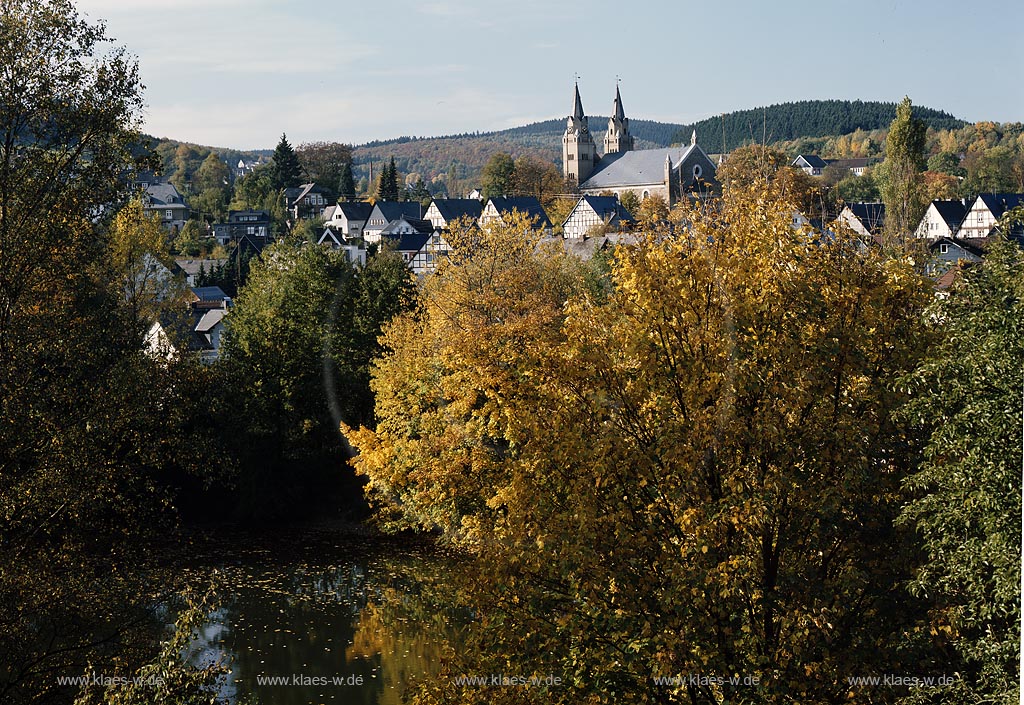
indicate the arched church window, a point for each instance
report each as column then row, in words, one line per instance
column 697, row 171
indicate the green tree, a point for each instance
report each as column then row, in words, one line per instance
column 297, row 357
column 285, row 170
column 900, row 177
column 346, row 184
column 387, row 185
column 497, row 175
column 212, row 174
column 967, row 493
column 859, row 189
column 91, row 425
column 631, row 202
column 324, row 163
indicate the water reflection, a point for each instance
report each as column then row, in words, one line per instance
column 356, row 631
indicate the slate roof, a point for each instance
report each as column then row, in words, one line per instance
column 607, row 207
column 641, row 167
column 618, row 113
column 418, row 224
column 412, row 243
column 329, row 212
column 210, row 319
column 852, row 163
column 529, row 205
column 164, row 194
column 455, row 208
column 192, row 267
column 813, row 160
column 870, row 215
column 952, row 212
column 209, row 293
column 356, row 210
column 975, row 247
column 393, row 210
column 999, row 203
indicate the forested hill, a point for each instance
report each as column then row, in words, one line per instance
column 805, row 118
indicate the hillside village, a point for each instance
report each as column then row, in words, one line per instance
column 605, row 192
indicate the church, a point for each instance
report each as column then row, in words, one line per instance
column 672, row 173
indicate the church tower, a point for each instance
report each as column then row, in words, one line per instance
column 618, row 139
column 579, row 153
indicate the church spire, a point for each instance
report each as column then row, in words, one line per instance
column 577, row 108
column 617, row 138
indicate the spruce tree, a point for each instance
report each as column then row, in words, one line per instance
column 285, row 172
column 347, row 183
column 387, row 187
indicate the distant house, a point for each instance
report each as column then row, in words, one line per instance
column 348, row 218
column 812, row 164
column 500, row 207
column 385, row 212
column 307, row 202
column 855, row 165
column 198, row 329
column 942, row 219
column 985, row 212
column 865, row 219
column 405, row 225
column 163, row 199
column 192, row 268
column 354, row 247
column 443, row 211
column 948, row 252
column 256, row 225
column 476, row 194
column 591, row 212
column 429, row 256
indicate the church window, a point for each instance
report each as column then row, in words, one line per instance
column 571, row 157
column 697, row 171
column 647, row 194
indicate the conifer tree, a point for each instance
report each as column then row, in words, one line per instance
column 286, row 172
column 347, row 184
column 387, row 187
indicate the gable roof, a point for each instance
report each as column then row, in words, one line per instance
column 528, row 205
column 210, row 320
column 608, row 208
column 999, row 203
column 393, row 210
column 412, row 243
column 851, row 163
column 870, row 215
column 209, row 293
column 976, row 247
column 640, row 167
column 812, row 160
column 952, row 212
column 455, row 208
column 356, row 210
column 417, row 224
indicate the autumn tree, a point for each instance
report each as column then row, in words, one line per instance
column 696, row 472
column 900, row 176
column 324, row 163
column 533, row 177
column 967, row 493
column 91, row 426
column 213, row 173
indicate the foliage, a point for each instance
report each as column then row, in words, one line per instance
column 805, row 118
column 695, row 474
column 387, row 185
column 497, row 175
column 167, row 680
column 325, row 163
column 900, row 176
column 141, row 261
column 212, row 174
column 653, row 210
column 533, row 177
column 859, row 189
column 297, row 356
column 285, row 169
column 967, row 493
column 346, row 183
column 630, row 201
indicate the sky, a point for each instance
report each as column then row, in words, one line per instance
column 239, row 73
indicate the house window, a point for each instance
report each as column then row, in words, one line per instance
column 251, row 230
column 943, row 248
column 169, row 214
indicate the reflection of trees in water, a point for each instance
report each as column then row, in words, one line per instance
column 389, row 620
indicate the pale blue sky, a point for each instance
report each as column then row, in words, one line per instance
column 238, row 73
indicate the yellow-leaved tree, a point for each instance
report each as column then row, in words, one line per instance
column 690, row 480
